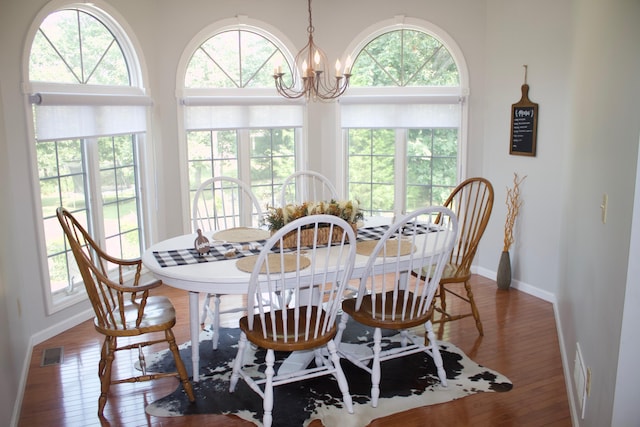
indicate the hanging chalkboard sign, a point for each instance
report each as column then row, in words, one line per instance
column 524, row 124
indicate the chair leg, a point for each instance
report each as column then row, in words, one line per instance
column 474, row 308
column 267, row 403
column 215, row 325
column 182, row 370
column 205, row 310
column 342, row 380
column 435, row 353
column 103, row 357
column 344, row 318
column 215, row 317
column 104, row 371
column 237, row 363
column 443, row 302
column 375, row 367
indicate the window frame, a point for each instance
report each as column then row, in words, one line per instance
column 406, row 95
column 134, row 93
column 232, row 97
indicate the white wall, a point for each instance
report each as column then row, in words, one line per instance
column 604, row 153
column 522, row 33
column 626, row 411
column 7, row 363
column 21, row 275
column 584, row 144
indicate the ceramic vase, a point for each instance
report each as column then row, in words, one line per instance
column 503, row 278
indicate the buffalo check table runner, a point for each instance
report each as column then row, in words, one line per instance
column 227, row 250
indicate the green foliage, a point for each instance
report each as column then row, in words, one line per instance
column 234, row 59
column 215, row 153
column 72, row 46
column 348, row 210
column 431, row 167
column 404, row 58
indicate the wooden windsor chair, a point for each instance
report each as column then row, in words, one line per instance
column 124, row 309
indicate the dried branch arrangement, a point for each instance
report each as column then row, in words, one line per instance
column 513, row 208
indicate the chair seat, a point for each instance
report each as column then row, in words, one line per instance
column 389, row 318
column 450, row 274
column 159, row 314
column 289, row 338
column 453, row 274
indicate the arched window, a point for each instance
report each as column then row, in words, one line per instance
column 90, row 119
column 402, row 120
column 235, row 123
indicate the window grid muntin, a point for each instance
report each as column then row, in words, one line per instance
column 265, row 188
column 122, row 229
column 236, row 73
column 217, row 162
column 79, row 76
column 56, row 245
column 371, row 186
column 373, row 207
column 370, row 58
column 59, row 255
column 280, row 164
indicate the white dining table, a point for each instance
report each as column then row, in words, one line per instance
column 218, row 277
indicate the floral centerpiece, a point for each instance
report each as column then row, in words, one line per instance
column 349, row 210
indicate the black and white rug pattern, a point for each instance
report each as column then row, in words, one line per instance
column 407, row 383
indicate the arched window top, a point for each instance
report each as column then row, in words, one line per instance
column 234, row 59
column 405, row 58
column 76, row 46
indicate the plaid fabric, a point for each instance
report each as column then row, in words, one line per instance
column 223, row 251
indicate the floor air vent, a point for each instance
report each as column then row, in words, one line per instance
column 52, row 356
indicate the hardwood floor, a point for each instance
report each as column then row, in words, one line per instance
column 520, row 342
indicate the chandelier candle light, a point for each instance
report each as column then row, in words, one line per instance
column 318, row 83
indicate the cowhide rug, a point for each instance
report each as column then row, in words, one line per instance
column 407, row 383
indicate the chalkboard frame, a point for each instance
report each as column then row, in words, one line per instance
column 524, row 126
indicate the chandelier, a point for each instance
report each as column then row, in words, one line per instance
column 318, row 83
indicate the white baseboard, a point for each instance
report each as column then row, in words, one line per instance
column 60, row 327
column 36, row 339
column 550, row 297
column 516, row 284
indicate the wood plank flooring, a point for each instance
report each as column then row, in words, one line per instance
column 520, row 341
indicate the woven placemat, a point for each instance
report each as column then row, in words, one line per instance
column 247, row 263
column 241, row 234
column 366, row 247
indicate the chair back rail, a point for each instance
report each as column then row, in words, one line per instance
column 315, row 275
column 307, row 186
column 104, row 276
column 225, row 202
column 472, row 202
column 395, row 295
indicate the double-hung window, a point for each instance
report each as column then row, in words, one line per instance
column 90, row 119
column 235, row 123
column 403, row 121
